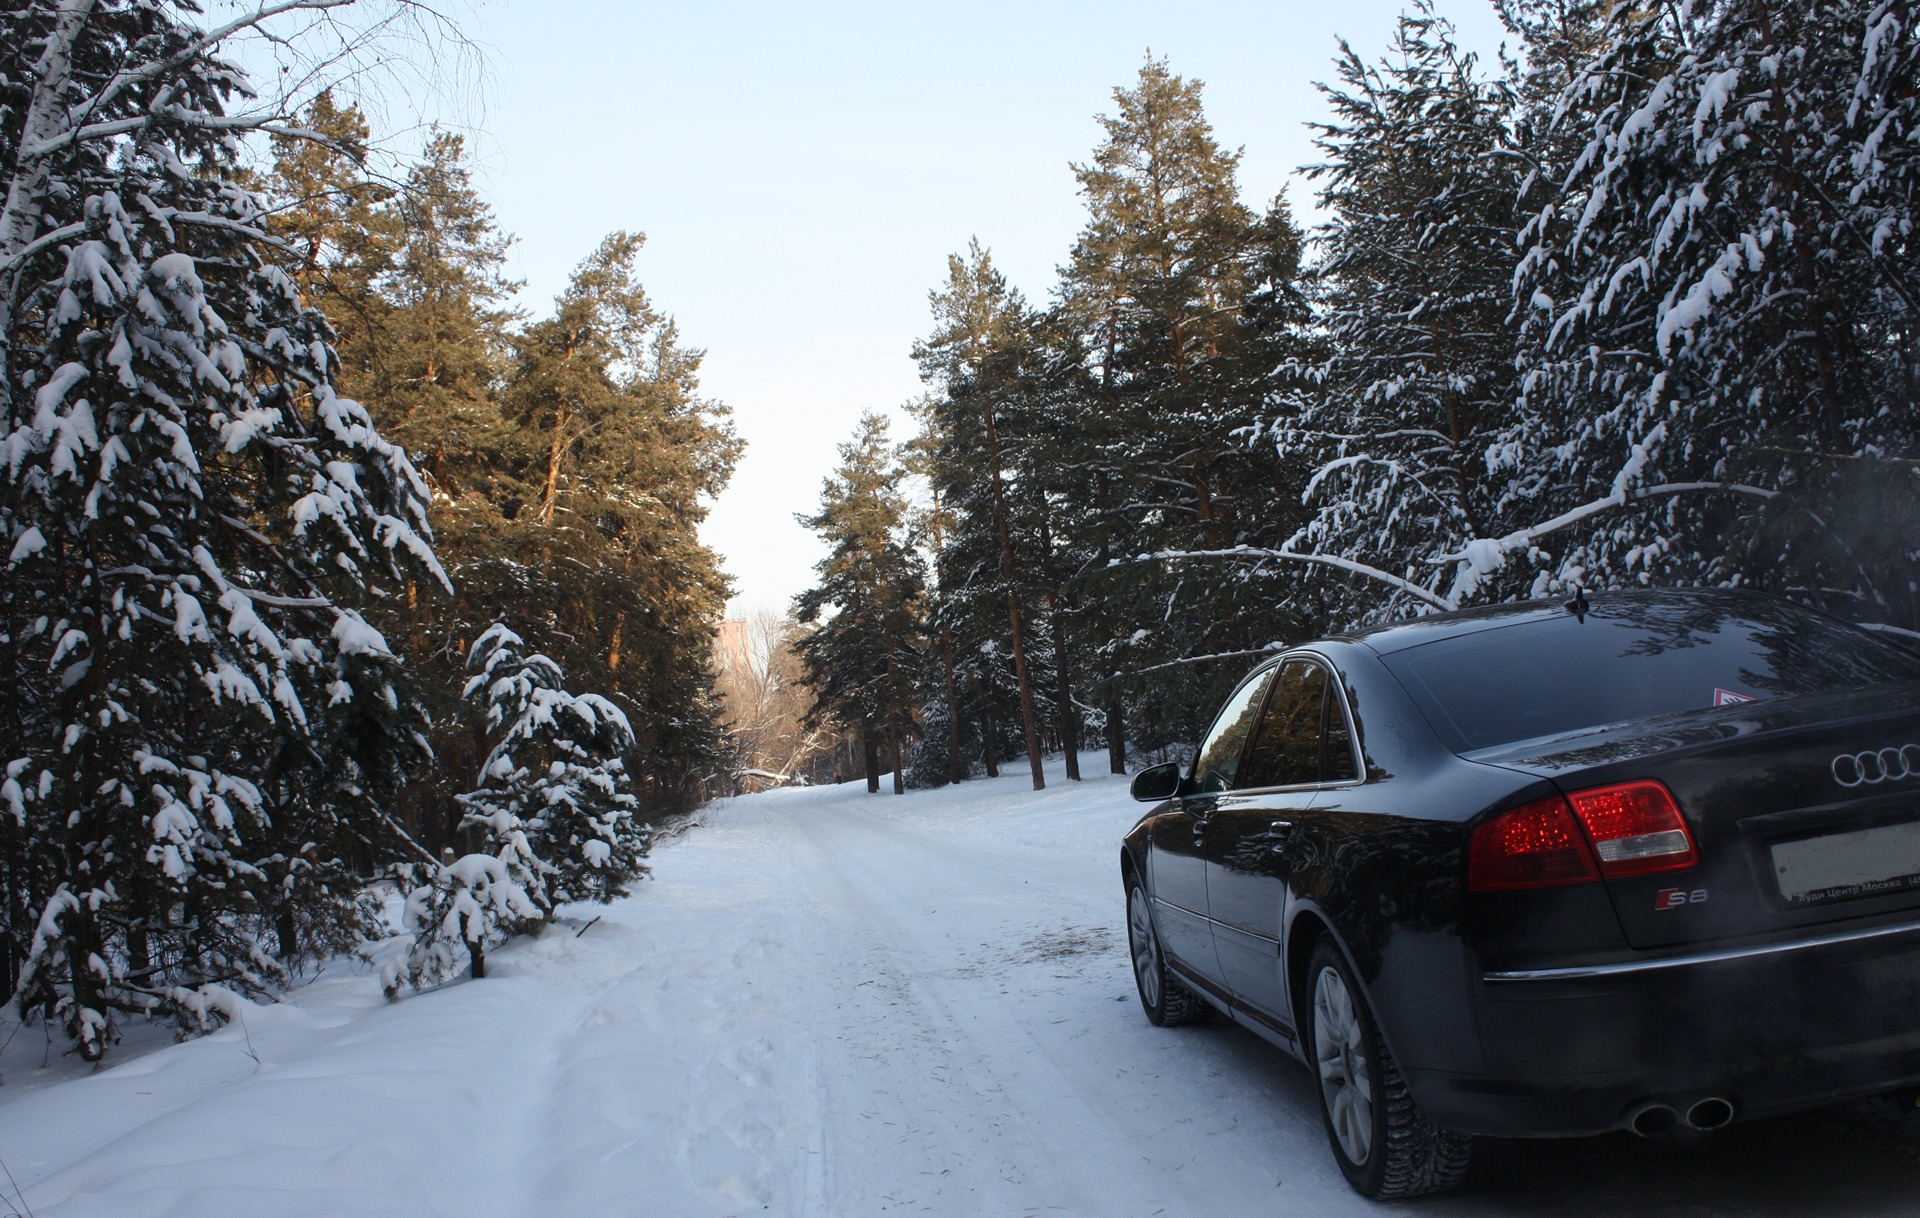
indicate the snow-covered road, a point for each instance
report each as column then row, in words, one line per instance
column 825, row 1003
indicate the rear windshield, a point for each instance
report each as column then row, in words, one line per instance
column 1633, row 660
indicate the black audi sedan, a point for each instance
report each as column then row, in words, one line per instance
column 1550, row 869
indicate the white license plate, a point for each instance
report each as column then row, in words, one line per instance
column 1857, row 864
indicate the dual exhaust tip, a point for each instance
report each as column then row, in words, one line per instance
column 1653, row 1119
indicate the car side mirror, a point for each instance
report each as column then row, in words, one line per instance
column 1158, row 782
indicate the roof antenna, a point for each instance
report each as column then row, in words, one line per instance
column 1578, row 605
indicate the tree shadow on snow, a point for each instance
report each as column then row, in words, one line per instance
column 1859, row 1159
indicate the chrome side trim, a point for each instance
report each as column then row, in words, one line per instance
column 1191, row 913
column 1630, row 967
column 1210, row 920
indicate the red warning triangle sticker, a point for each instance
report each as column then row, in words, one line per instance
column 1726, row 697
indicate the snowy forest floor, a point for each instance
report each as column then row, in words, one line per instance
column 823, row 1003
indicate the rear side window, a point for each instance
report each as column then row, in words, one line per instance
column 1633, row 660
column 1302, row 737
column 1286, row 749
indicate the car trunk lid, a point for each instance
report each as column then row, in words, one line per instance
column 1805, row 810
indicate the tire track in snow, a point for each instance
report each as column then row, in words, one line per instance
column 704, row 1025
column 948, row 933
column 916, row 1098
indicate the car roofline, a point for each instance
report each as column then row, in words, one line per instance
column 1390, row 637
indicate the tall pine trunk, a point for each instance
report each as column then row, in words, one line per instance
column 955, row 772
column 1026, row 691
column 1063, row 676
column 893, row 713
column 1013, row 597
column 613, row 647
column 550, row 490
column 989, row 747
column 1069, row 722
column 1116, row 707
column 870, row 750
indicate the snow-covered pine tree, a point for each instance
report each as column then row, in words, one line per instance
column 411, row 279
column 466, row 905
column 1416, row 266
column 552, row 796
column 986, row 367
column 1720, row 307
column 627, row 454
column 1154, row 292
column 551, row 803
column 862, row 660
column 199, row 723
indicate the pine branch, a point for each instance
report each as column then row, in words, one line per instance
column 1206, row 659
column 1522, row 538
column 1327, row 560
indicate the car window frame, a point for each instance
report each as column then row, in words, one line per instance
column 1338, row 687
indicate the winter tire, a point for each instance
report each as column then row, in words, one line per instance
column 1168, row 1002
column 1385, row 1146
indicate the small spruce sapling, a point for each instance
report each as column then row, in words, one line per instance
column 552, row 802
column 467, row 903
column 554, row 790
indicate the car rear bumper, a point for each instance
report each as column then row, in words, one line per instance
column 1769, row 1028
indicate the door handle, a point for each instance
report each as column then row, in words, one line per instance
column 1280, row 832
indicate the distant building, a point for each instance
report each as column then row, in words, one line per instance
column 730, row 648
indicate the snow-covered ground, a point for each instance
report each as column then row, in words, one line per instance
column 824, row 1003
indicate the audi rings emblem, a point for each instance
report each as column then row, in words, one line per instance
column 1883, row 765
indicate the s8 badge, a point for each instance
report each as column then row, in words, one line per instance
column 1674, row 898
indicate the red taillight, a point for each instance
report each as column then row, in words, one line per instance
column 1636, row 829
column 1537, row 845
column 1633, row 828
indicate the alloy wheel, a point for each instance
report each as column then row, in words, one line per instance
column 1146, row 950
column 1346, row 1071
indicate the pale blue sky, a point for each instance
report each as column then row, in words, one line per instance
column 802, row 172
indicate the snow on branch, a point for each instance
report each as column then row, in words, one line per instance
column 1477, row 559
column 1326, row 560
column 1483, row 556
column 176, row 114
column 1899, row 632
column 209, row 39
column 1268, row 650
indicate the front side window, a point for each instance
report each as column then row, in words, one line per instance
column 1218, row 765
